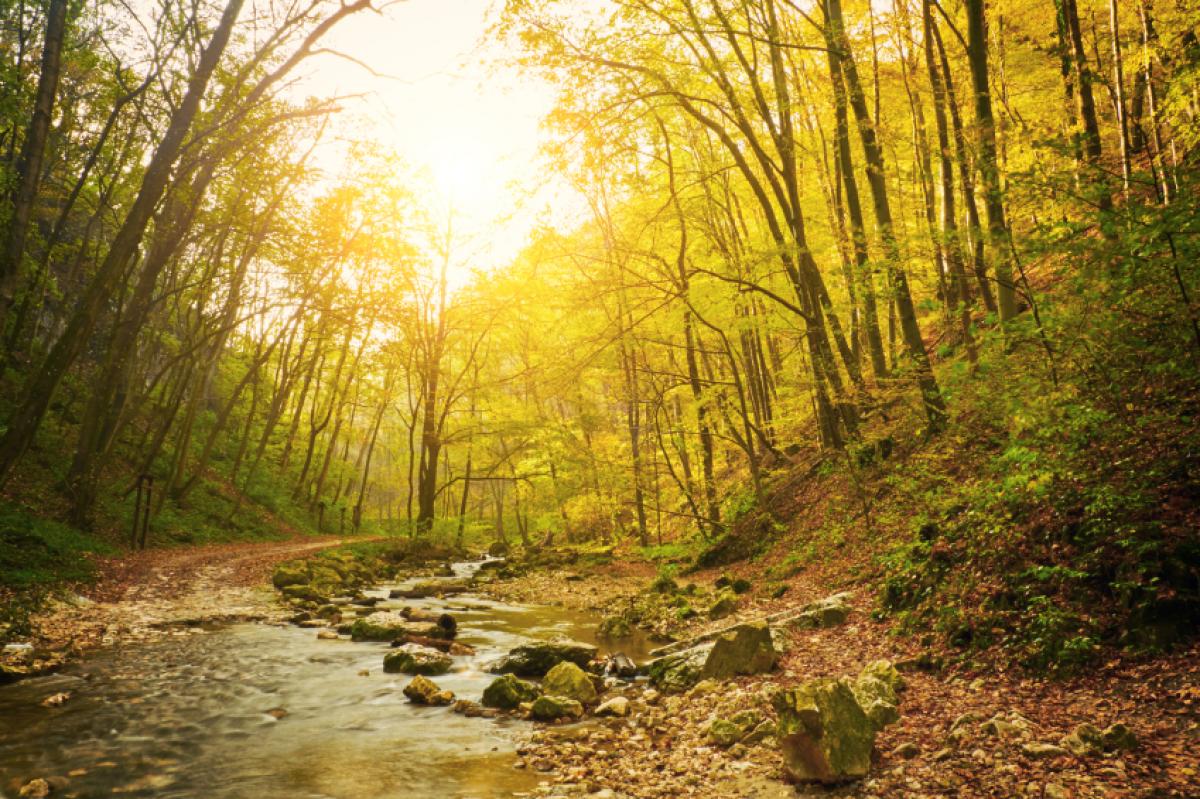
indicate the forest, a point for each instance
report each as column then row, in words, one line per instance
column 894, row 297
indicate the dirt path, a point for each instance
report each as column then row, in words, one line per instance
column 161, row 592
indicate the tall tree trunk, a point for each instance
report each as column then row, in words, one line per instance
column 33, row 149
column 993, row 198
column 935, row 408
column 959, row 299
column 1086, row 102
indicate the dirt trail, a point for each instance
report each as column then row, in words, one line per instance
column 166, row 591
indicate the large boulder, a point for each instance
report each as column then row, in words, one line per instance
column 745, row 649
column 567, row 679
column 509, row 692
column 678, row 671
column 553, row 708
column 823, row 732
column 423, row 691
column 534, row 660
column 498, row 549
column 416, row 659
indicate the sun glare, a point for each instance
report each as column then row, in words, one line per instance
column 454, row 111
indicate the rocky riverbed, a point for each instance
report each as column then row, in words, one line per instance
column 736, row 707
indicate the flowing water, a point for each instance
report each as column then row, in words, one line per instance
column 188, row 715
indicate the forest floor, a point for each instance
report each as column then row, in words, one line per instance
column 663, row 749
column 155, row 592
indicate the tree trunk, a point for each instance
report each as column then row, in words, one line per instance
column 33, row 149
column 935, row 409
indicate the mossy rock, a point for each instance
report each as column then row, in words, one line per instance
column 567, row 679
column 416, row 659
column 290, row 572
column 745, row 649
column 388, row 628
column 823, row 732
column 423, row 691
column 679, row 671
column 724, row 605
column 553, row 708
column 615, row 627
column 306, row 593
column 535, row 659
column 509, row 692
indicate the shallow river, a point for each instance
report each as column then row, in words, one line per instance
column 187, row 716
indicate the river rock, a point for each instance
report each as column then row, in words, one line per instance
column 534, row 660
column 432, row 588
column 567, row 679
column 618, row 707
column 678, row 671
column 391, row 626
column 416, row 659
column 508, row 692
column 745, row 649
column 622, row 666
column 327, row 635
column 35, row 789
column 823, row 732
column 497, row 549
column 552, row 708
column 423, row 691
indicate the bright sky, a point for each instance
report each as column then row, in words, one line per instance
column 452, row 109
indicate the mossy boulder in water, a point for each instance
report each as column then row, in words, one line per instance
column 567, row 679
column 509, row 692
column 416, row 659
column 745, row 649
column 553, row 708
column 823, row 732
column 423, row 691
column 534, row 660
column 615, row 627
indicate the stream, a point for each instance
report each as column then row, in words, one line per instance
column 187, row 715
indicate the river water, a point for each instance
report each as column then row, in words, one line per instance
column 189, row 716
